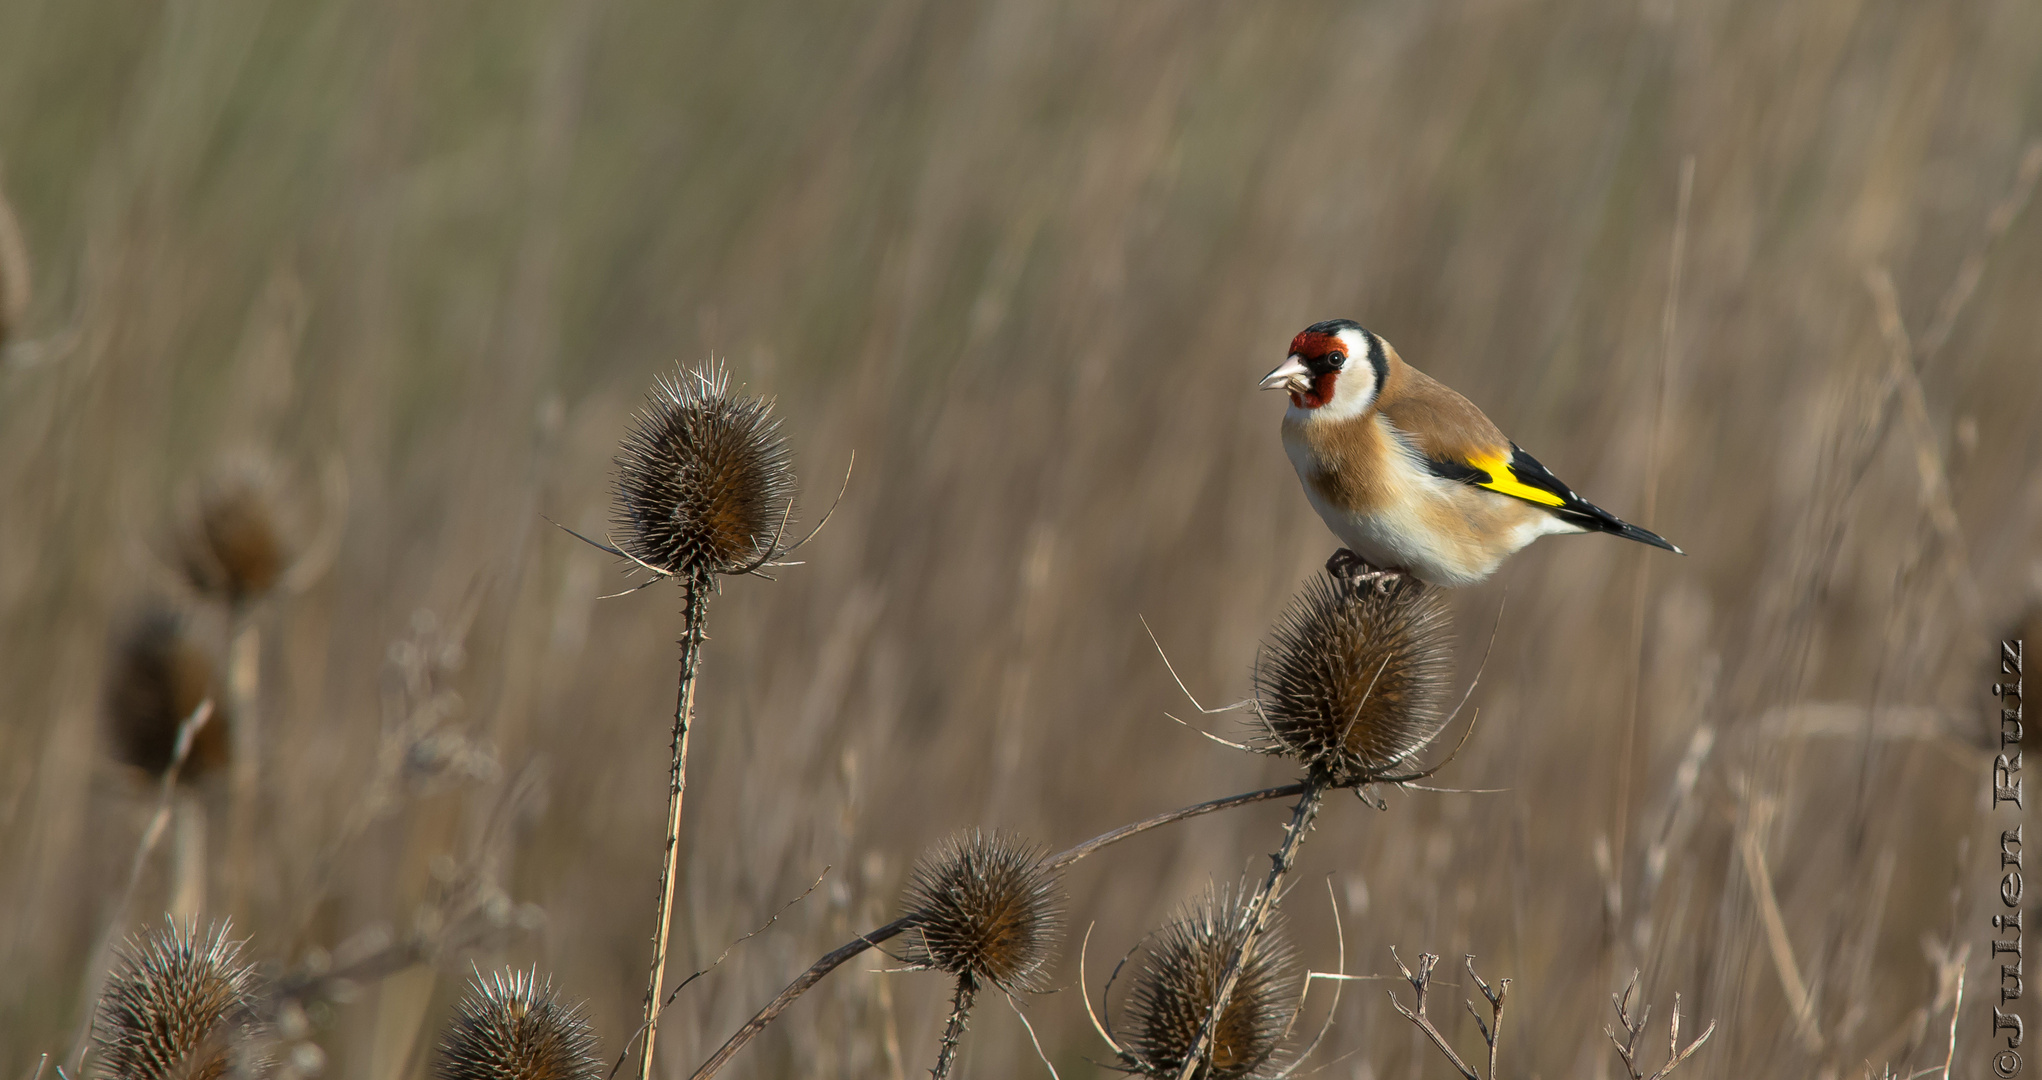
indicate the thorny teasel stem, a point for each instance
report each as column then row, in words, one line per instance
column 1257, row 917
column 696, row 592
column 953, row 1032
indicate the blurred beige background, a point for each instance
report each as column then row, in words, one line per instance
column 1027, row 260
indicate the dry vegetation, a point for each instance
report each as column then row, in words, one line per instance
column 1026, row 260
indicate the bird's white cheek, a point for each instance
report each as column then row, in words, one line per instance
column 1353, row 392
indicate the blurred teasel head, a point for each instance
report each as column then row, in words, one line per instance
column 704, row 481
column 158, row 677
column 985, row 908
column 178, row 1008
column 1353, row 681
column 234, row 543
column 1180, row 978
column 510, row 1027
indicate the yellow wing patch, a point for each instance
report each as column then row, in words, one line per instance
column 1502, row 479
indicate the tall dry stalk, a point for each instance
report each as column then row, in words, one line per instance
column 704, row 487
column 235, row 548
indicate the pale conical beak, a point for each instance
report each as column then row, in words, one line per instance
column 1292, row 375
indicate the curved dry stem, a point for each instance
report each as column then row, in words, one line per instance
column 1072, row 854
column 1086, row 995
column 830, row 962
column 1188, row 695
column 831, row 512
column 836, row 958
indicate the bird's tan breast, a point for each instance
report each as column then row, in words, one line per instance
column 1346, row 464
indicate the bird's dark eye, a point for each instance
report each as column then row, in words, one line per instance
column 1334, row 360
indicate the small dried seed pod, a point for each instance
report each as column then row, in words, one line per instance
column 986, row 907
column 704, row 483
column 510, row 1027
column 177, row 1009
column 1354, row 681
column 158, row 677
column 234, row 546
column 1180, row 978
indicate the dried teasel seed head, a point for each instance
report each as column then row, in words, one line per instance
column 985, row 907
column 1355, row 680
column 704, row 482
column 178, row 1008
column 158, row 676
column 510, row 1027
column 234, row 545
column 1181, row 976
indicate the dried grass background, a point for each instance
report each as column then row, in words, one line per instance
column 1027, row 260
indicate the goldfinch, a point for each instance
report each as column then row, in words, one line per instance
column 1410, row 475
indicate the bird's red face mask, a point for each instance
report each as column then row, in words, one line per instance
column 1309, row 373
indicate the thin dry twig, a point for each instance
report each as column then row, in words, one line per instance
column 714, row 964
column 1421, row 982
column 1955, row 1008
column 1037, row 1043
column 1492, row 1031
column 1634, row 1029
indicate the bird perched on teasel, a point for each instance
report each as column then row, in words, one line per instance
column 1409, row 474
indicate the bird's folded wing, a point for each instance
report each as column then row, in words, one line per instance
column 1516, row 474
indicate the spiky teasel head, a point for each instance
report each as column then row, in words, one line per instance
column 158, row 677
column 704, row 481
column 234, row 544
column 1181, row 977
column 178, row 1008
column 511, row 1027
column 1354, row 680
column 985, row 907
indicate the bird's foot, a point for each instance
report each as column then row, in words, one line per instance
column 1355, row 572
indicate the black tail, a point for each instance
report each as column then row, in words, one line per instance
column 1595, row 519
column 1573, row 508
